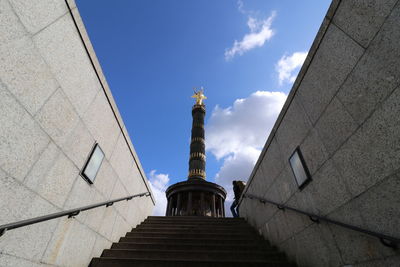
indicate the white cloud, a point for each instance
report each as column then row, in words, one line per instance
column 260, row 32
column 158, row 184
column 237, row 134
column 241, row 6
column 288, row 66
column 245, row 124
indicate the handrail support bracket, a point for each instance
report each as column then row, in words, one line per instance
column 73, row 214
column 388, row 243
column 2, row 231
column 314, row 219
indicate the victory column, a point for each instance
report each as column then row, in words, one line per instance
column 196, row 196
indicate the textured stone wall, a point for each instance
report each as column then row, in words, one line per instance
column 53, row 108
column 344, row 113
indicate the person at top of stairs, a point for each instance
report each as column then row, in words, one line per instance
column 238, row 187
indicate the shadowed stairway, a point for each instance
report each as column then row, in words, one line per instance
column 191, row 241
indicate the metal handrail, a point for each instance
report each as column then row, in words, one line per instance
column 70, row 213
column 386, row 240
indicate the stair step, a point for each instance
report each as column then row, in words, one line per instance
column 196, row 224
column 191, row 254
column 118, row 262
column 228, row 236
column 194, row 229
column 194, row 218
column 189, row 240
column 186, row 219
column 195, row 221
column 193, row 246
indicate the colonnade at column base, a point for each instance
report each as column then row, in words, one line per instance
column 196, row 197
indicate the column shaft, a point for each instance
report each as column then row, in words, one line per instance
column 168, row 213
column 197, row 161
column 189, row 204
column 217, row 205
column 221, row 206
column 202, row 206
column 173, row 206
column 178, row 204
column 213, row 206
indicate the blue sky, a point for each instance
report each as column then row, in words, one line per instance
column 244, row 53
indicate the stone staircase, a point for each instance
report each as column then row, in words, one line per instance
column 191, row 241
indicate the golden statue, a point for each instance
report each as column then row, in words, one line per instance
column 199, row 95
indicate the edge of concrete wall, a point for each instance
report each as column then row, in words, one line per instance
column 314, row 47
column 73, row 10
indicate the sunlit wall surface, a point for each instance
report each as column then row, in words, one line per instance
column 55, row 105
column 343, row 114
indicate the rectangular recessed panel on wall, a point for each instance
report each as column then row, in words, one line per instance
column 299, row 168
column 93, row 164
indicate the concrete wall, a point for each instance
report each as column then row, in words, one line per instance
column 53, row 108
column 344, row 113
